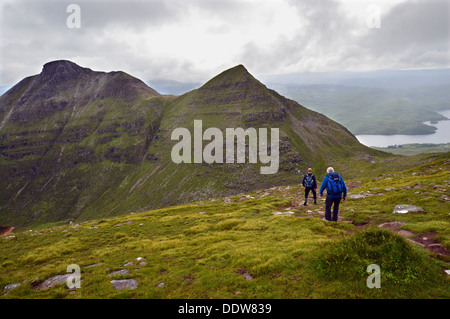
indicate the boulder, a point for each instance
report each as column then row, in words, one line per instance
column 53, row 281
column 392, row 225
column 11, row 287
column 404, row 209
column 124, row 284
column 356, row 196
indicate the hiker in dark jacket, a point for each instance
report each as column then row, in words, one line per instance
column 336, row 189
column 310, row 184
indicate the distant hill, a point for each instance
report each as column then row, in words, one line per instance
column 365, row 110
column 81, row 144
column 382, row 79
column 172, row 87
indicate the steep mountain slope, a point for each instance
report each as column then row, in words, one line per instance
column 233, row 99
column 66, row 134
column 82, row 144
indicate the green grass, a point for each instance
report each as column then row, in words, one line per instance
column 202, row 249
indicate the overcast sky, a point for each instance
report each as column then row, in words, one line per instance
column 193, row 40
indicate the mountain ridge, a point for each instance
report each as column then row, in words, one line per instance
column 82, row 144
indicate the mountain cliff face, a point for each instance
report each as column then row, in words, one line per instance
column 81, row 144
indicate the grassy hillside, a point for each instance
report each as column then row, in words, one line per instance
column 236, row 247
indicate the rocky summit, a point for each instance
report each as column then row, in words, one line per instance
column 79, row 144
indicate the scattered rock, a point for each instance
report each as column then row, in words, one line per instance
column 124, row 284
column 356, row 196
column 447, row 271
column 416, row 243
column 142, row 263
column 201, row 213
column 140, row 259
column 283, row 213
column 248, row 276
column 93, row 265
column 392, row 225
column 245, row 273
column 129, row 264
column 405, row 233
column 404, row 209
column 35, row 282
column 161, row 285
column 52, row 281
column 11, row 287
column 119, row 272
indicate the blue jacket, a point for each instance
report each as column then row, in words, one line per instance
column 325, row 183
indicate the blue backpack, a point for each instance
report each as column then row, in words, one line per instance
column 309, row 181
column 334, row 184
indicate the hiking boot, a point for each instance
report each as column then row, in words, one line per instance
column 304, row 204
column 315, row 203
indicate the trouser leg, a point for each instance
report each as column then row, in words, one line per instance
column 307, row 189
column 328, row 203
column 336, row 202
column 314, row 195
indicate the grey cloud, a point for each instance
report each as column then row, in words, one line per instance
column 51, row 14
column 414, row 33
column 326, row 31
column 422, row 24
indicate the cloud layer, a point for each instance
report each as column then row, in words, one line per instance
column 192, row 40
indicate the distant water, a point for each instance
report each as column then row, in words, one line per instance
column 442, row 135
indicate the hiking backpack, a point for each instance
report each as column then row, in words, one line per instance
column 334, row 184
column 309, row 181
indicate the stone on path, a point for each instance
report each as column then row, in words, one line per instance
column 392, row 225
column 283, row 213
column 53, row 281
column 119, row 272
column 124, row 284
column 404, row 209
column 405, row 233
column 356, row 196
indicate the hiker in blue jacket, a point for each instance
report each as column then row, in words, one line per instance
column 335, row 186
column 310, row 184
